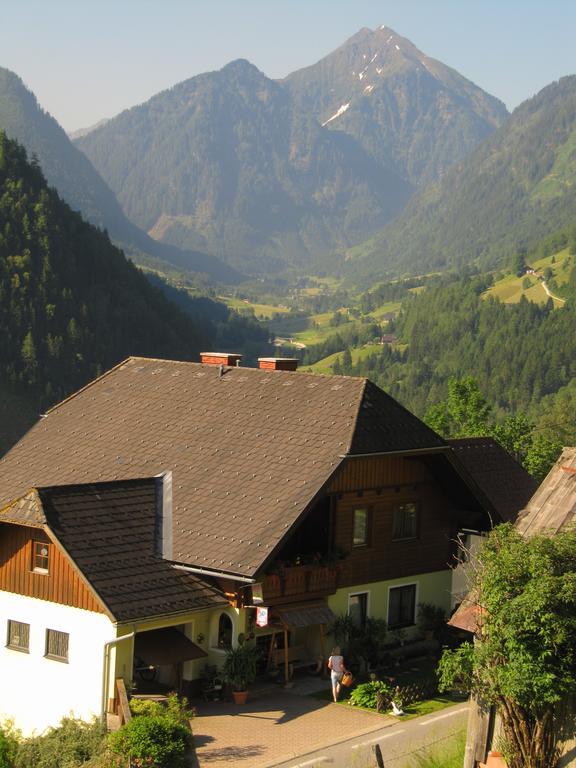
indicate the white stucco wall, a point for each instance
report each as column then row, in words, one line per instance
column 37, row 692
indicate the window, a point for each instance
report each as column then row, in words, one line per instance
column 402, row 606
column 224, row 631
column 57, row 645
column 405, row 522
column 358, row 608
column 18, row 636
column 40, row 556
column 360, row 535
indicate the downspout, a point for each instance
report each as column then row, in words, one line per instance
column 106, row 663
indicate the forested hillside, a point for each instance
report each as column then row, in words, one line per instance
column 226, row 162
column 514, row 190
column 71, row 173
column 71, row 305
column 519, row 354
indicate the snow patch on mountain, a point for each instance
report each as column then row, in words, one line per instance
column 340, row 111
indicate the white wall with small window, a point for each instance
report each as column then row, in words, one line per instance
column 51, row 661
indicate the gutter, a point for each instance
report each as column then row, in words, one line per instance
column 217, row 574
column 407, row 452
column 105, row 671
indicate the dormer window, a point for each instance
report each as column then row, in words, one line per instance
column 40, row 557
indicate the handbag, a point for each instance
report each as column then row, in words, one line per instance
column 347, row 679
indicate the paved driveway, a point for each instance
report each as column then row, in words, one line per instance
column 273, row 729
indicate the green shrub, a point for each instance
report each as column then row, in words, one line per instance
column 69, row 745
column 366, row 694
column 152, row 740
column 174, row 710
column 8, row 745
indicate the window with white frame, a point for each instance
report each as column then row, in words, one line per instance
column 18, row 638
column 40, row 557
column 57, row 645
column 402, row 606
column 405, row 522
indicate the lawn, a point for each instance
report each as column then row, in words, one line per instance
column 265, row 311
column 411, row 672
column 357, row 353
column 510, row 290
column 449, row 753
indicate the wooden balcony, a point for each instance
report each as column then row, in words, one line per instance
column 300, row 582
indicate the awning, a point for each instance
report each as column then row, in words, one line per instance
column 304, row 615
column 166, row 646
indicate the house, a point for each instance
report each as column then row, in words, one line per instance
column 145, row 518
column 551, row 509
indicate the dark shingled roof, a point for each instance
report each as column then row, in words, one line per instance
column 107, row 529
column 248, row 450
column 503, row 481
column 553, row 506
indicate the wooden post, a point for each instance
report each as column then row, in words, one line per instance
column 286, row 665
column 271, row 649
column 322, row 651
column 378, row 756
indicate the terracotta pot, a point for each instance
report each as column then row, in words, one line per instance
column 240, row 697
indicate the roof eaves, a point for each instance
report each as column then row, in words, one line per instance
column 33, row 492
column 80, row 573
column 476, row 490
column 90, row 384
column 357, row 415
column 270, row 556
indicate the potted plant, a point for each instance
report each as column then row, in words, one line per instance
column 431, row 619
column 240, row 669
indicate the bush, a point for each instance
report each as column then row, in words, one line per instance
column 70, row 745
column 366, row 694
column 8, row 745
column 152, row 740
column 175, row 710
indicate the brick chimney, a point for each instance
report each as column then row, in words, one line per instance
column 277, row 363
column 220, row 358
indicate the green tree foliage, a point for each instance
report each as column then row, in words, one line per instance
column 466, row 413
column 71, row 305
column 524, row 656
column 519, row 262
column 520, row 355
column 513, row 191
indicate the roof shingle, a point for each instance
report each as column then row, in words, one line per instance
column 248, row 449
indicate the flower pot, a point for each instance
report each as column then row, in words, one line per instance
column 240, row 697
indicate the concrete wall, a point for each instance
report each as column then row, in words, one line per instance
column 36, row 691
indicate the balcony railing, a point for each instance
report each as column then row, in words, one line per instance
column 300, row 581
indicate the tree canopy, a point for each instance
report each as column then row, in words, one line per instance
column 524, row 656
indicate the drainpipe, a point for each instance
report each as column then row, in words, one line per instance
column 106, row 664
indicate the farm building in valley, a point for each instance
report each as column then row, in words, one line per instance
column 148, row 516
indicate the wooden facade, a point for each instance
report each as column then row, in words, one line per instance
column 379, row 485
column 61, row 584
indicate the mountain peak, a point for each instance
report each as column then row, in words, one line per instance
column 241, row 66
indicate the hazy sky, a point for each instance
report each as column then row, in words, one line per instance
column 87, row 59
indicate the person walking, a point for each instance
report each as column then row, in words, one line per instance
column 337, row 668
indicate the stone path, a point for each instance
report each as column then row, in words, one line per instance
column 273, row 729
